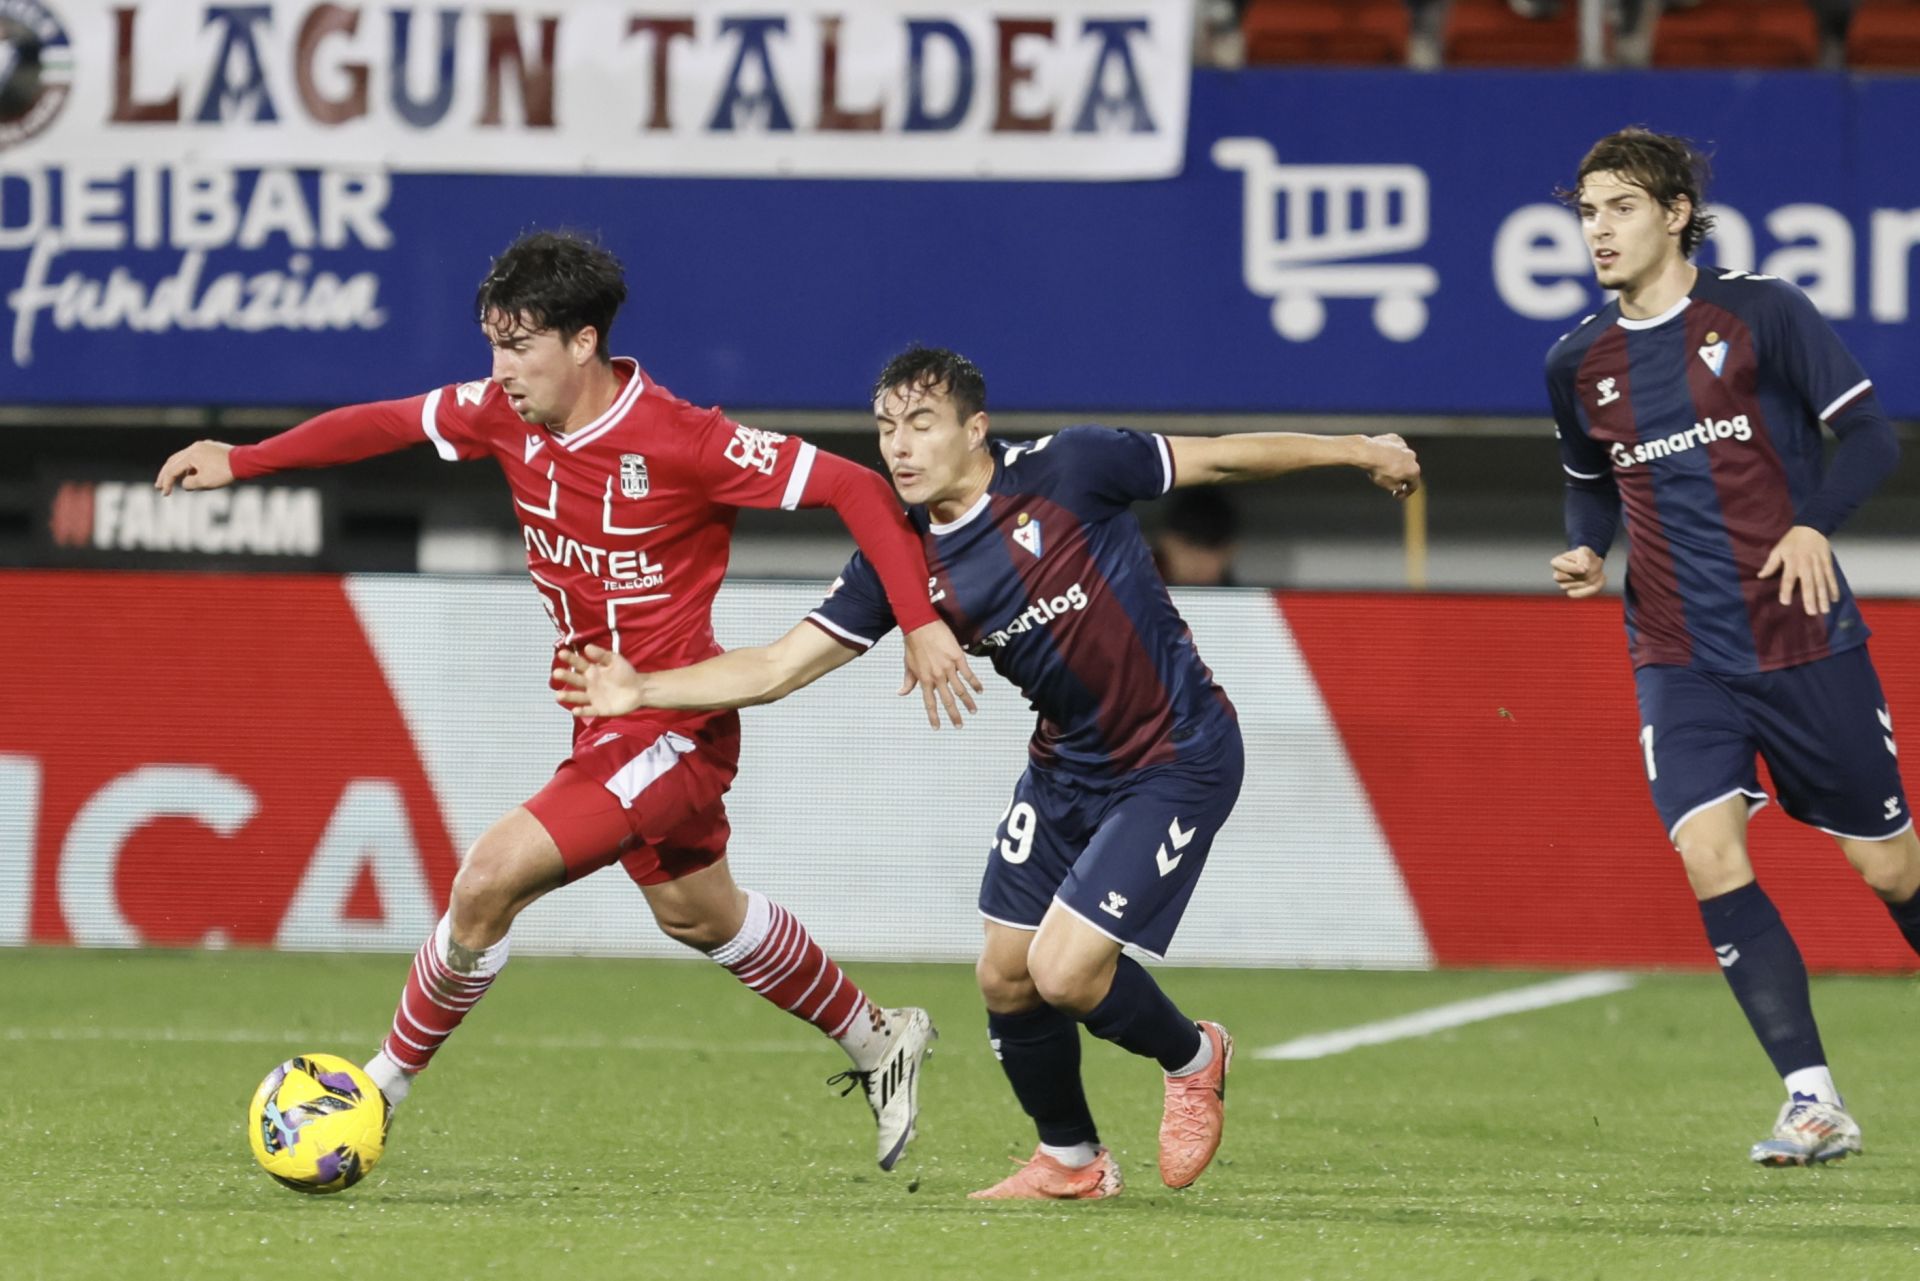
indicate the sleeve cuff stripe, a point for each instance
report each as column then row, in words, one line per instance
column 1846, row 398
column 1581, row 475
column 1166, row 462
column 797, row 478
column 834, row 629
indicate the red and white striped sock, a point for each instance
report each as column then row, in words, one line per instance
column 775, row 956
column 432, row 1004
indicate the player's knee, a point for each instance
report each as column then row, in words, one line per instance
column 1715, row 867
column 1066, row 987
column 1891, row 869
column 1004, row 990
column 486, row 890
column 684, row 925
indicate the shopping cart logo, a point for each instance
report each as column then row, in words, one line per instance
column 1304, row 227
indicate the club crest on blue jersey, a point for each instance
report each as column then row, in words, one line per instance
column 1026, row 532
column 633, row 475
column 1715, row 353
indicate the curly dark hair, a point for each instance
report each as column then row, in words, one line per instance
column 1666, row 165
column 559, row 280
column 936, row 369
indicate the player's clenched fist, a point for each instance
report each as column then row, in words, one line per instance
column 1579, row 572
column 201, row 465
column 1392, row 465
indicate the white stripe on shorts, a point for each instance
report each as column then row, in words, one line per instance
column 639, row 773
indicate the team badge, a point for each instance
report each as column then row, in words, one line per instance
column 1026, row 532
column 36, row 69
column 1715, row 353
column 633, row 475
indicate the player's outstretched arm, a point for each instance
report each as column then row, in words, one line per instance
column 343, row 435
column 936, row 664
column 1219, row 460
column 600, row 682
column 202, row 465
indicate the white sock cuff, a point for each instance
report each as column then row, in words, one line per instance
column 1817, row 1081
column 389, row 1076
column 491, row 960
column 753, row 931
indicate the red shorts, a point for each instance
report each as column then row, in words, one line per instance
column 654, row 806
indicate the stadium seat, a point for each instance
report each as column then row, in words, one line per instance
column 1885, row 35
column 1737, row 33
column 1488, row 33
column 1351, row 32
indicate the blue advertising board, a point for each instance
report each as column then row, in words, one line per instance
column 1335, row 242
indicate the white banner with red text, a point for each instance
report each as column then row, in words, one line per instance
column 842, row 88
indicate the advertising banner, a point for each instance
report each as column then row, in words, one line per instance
column 1332, row 242
column 847, row 88
column 297, row 761
column 110, row 517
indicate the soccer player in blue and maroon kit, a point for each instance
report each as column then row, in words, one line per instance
column 1038, row 563
column 1694, row 401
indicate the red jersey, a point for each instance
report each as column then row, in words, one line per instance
column 628, row 521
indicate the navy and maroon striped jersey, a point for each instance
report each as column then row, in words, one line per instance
column 1049, row 577
column 1707, row 420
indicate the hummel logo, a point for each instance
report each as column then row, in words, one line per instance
column 1116, row 901
column 1607, row 393
column 1728, row 954
column 1893, row 807
column 533, row 447
column 1180, row 841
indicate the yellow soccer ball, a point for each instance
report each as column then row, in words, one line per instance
column 317, row 1123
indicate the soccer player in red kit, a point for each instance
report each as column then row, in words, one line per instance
column 626, row 497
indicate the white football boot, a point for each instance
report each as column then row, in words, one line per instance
column 893, row 1088
column 1808, row 1132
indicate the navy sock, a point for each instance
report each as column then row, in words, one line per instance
column 1907, row 916
column 1768, row 978
column 1039, row 1050
column 1136, row 1015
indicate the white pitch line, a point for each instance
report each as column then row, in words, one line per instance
column 644, row 1044
column 1539, row 996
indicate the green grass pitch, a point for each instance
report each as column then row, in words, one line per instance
column 649, row 1119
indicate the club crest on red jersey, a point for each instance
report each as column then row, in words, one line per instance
column 633, row 475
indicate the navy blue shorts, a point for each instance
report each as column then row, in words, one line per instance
column 1822, row 727
column 1122, row 854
